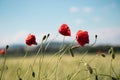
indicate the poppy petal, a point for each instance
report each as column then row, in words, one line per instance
column 64, row 30
column 82, row 37
column 31, row 40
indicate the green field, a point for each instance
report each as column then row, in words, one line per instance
column 65, row 67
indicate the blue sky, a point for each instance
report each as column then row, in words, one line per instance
column 18, row 18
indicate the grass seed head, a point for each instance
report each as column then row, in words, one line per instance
column 89, row 68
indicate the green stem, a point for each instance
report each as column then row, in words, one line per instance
column 50, row 42
column 23, row 58
column 3, row 67
column 61, row 55
column 113, row 69
column 105, row 75
column 37, row 54
column 75, row 74
column 43, row 41
column 58, row 62
column 41, row 61
column 92, row 59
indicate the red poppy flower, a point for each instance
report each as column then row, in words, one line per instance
column 82, row 37
column 65, row 30
column 31, row 40
column 2, row 51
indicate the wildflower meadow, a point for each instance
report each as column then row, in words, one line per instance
column 63, row 64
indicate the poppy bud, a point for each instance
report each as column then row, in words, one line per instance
column 95, row 36
column 48, row 35
column 6, row 67
column 113, row 78
column 44, row 37
column 113, row 56
column 96, row 77
column 33, row 74
column 111, row 51
column 20, row 78
column 102, row 54
column 7, row 46
column 71, row 52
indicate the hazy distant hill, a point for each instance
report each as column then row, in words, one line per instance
column 20, row 50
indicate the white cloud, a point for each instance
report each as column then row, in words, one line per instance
column 13, row 39
column 74, row 9
column 113, row 5
column 110, row 6
column 107, row 35
column 87, row 9
column 79, row 21
column 96, row 19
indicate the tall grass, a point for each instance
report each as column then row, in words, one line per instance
column 69, row 68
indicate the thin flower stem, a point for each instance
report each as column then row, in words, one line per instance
column 92, row 59
column 41, row 61
column 62, row 45
column 25, row 73
column 22, row 60
column 56, row 53
column 50, row 42
column 3, row 67
column 113, row 69
column 61, row 55
column 58, row 62
column 39, row 50
column 94, row 42
column 87, row 78
column 83, row 56
column 105, row 75
column 37, row 54
column 30, row 67
column 88, row 50
column 75, row 74
column 59, row 58
column 24, row 57
column 95, row 71
column 40, row 64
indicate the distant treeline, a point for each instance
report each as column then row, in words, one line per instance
column 20, row 50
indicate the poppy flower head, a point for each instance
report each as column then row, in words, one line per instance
column 82, row 37
column 2, row 51
column 65, row 30
column 31, row 40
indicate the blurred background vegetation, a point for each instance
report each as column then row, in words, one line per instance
column 19, row 50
